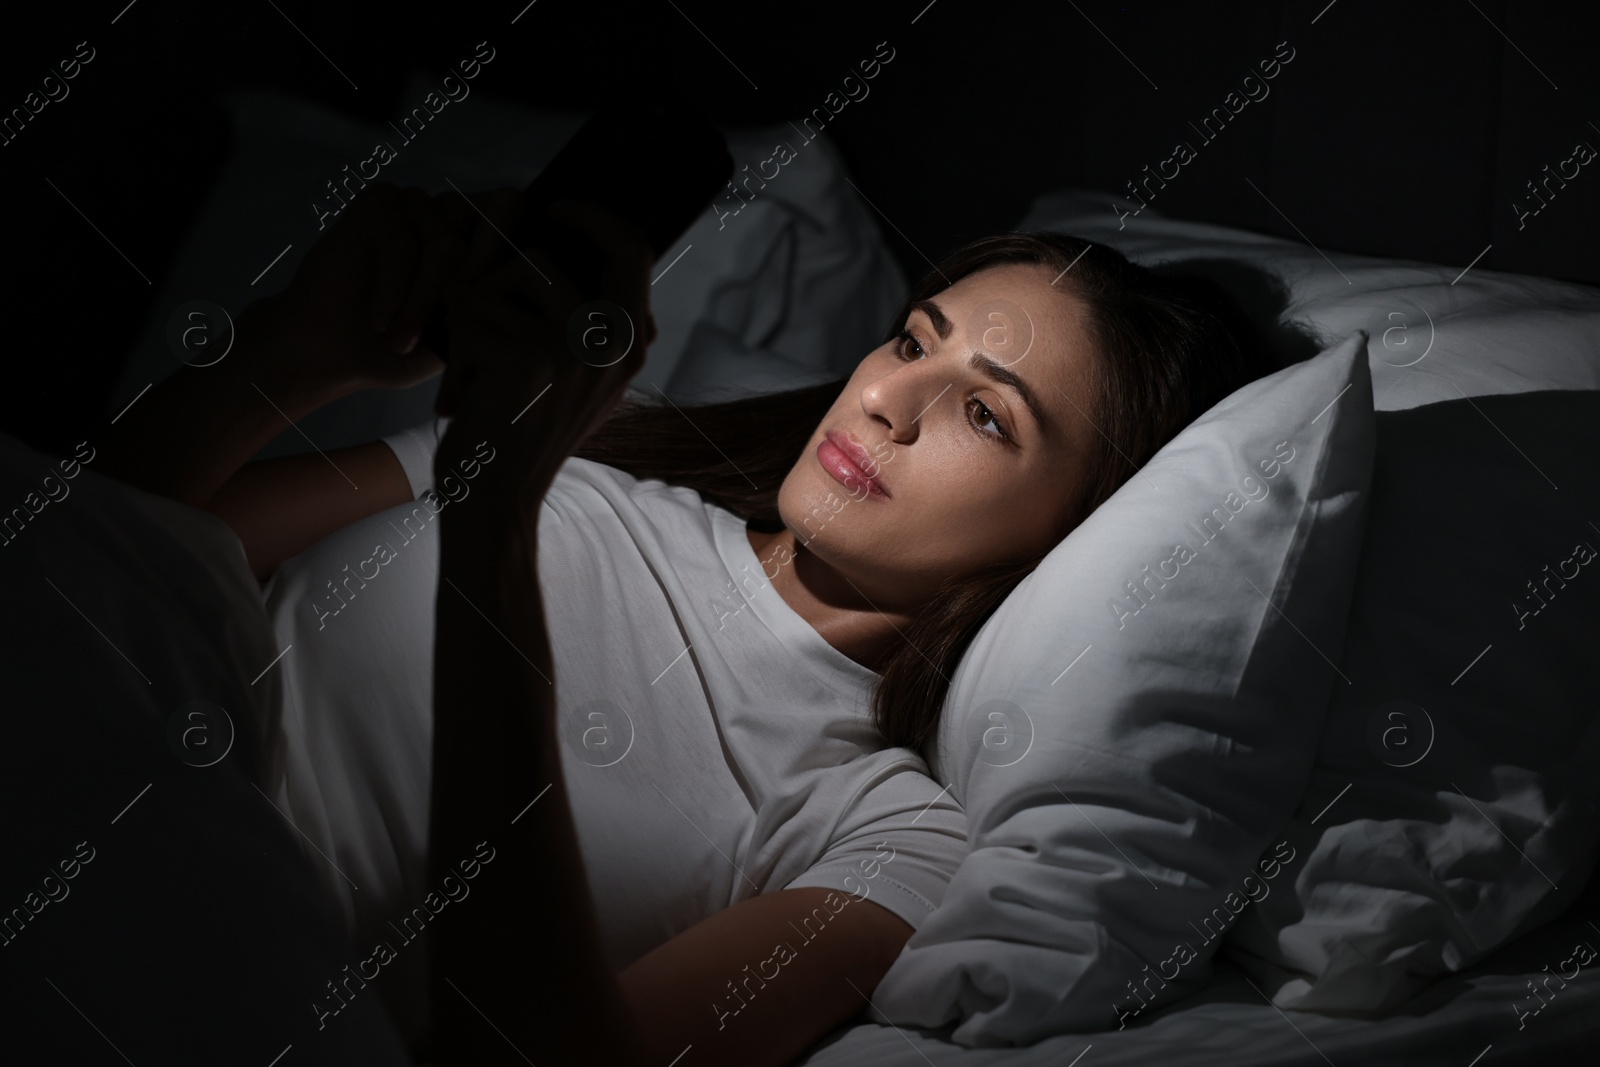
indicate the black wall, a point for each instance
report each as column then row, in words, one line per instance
column 1397, row 129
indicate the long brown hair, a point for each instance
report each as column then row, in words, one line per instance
column 1170, row 348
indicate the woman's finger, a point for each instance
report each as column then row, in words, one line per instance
column 502, row 297
column 518, row 326
column 554, row 296
column 380, row 220
column 510, row 327
column 532, row 280
column 486, row 219
column 494, row 216
column 441, row 247
column 498, row 352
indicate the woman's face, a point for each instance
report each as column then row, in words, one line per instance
column 974, row 428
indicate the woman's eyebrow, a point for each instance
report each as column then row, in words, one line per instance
column 1004, row 375
column 935, row 316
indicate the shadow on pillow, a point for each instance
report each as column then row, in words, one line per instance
column 1453, row 802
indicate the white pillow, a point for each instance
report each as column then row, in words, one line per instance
column 1453, row 802
column 1124, row 762
column 1435, row 332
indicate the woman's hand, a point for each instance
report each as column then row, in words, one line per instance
column 536, row 364
column 353, row 315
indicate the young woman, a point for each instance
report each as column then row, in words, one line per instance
column 890, row 513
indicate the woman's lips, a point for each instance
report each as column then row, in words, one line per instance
column 845, row 461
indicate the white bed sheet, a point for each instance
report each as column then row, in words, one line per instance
column 1230, row 1024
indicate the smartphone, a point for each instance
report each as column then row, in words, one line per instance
column 645, row 156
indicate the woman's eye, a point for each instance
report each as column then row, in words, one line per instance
column 908, row 345
column 984, row 414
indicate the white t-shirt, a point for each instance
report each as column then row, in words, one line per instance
column 714, row 746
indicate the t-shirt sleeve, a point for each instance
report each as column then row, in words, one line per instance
column 899, row 843
column 415, row 448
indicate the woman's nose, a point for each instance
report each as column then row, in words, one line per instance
column 900, row 398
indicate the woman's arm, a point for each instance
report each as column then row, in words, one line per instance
column 349, row 320
column 521, row 975
column 280, row 507
column 190, row 437
column 188, row 434
column 758, row 984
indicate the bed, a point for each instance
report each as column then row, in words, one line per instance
column 1465, row 1019
column 743, row 317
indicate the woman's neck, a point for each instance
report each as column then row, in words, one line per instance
column 828, row 600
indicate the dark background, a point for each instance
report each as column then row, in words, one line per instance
column 1402, row 130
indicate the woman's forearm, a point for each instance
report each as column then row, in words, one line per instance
column 188, row 434
column 526, row 956
column 280, row 507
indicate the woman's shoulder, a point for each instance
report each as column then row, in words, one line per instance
column 618, row 485
column 415, row 447
column 659, row 518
